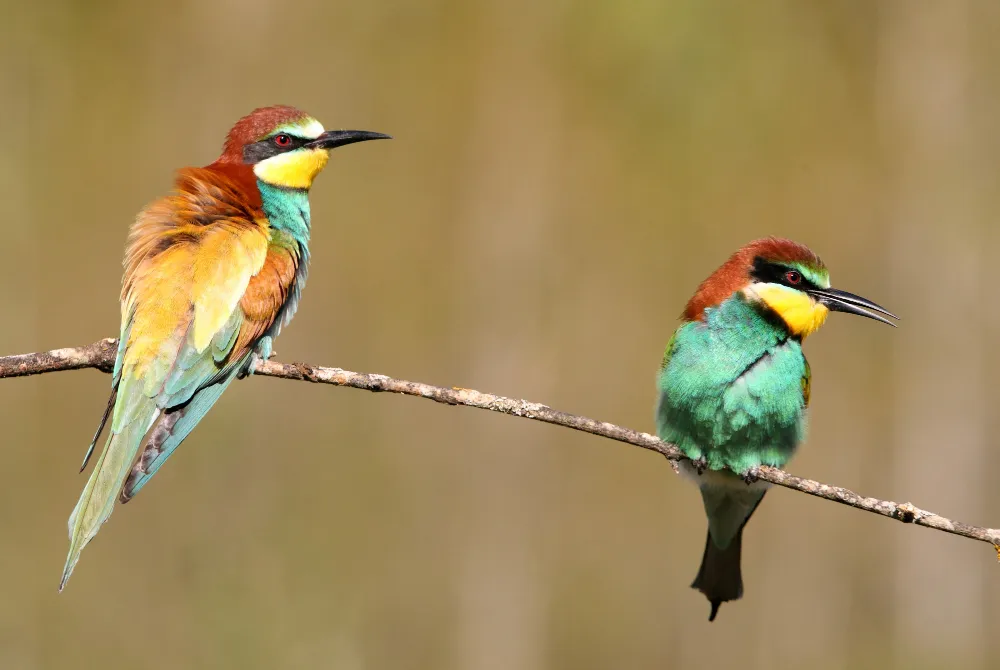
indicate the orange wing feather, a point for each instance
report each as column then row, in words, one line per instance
column 266, row 292
column 192, row 259
column 189, row 266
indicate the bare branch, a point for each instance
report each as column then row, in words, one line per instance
column 101, row 355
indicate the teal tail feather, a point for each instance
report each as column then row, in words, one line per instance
column 175, row 425
column 101, row 492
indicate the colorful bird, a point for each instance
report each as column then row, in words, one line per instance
column 212, row 274
column 734, row 387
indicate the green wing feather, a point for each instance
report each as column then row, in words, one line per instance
column 198, row 383
column 174, row 297
column 194, row 382
column 806, row 383
column 115, row 380
column 198, row 300
column 669, row 351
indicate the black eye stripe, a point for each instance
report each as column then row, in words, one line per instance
column 774, row 273
column 265, row 148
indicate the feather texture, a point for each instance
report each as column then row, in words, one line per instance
column 733, row 386
column 731, row 390
column 206, row 280
column 212, row 274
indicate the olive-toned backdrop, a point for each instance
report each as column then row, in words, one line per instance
column 564, row 173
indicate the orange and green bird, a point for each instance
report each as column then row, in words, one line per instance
column 212, row 274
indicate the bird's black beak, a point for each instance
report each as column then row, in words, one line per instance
column 332, row 139
column 842, row 301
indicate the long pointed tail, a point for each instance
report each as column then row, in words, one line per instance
column 99, row 495
column 720, row 577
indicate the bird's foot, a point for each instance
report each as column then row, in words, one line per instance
column 751, row 476
column 699, row 464
column 250, row 367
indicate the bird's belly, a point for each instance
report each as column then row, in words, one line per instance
column 758, row 418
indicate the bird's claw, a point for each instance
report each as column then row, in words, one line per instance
column 699, row 464
column 250, row 368
column 751, row 476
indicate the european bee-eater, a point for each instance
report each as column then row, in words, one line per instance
column 212, row 274
column 734, row 387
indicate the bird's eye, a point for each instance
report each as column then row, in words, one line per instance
column 793, row 277
column 282, row 140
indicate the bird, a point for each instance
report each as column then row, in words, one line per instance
column 212, row 273
column 734, row 386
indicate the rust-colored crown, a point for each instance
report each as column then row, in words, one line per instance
column 254, row 126
column 734, row 274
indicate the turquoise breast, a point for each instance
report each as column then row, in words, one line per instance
column 288, row 214
column 731, row 389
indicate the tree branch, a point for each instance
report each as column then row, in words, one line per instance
column 101, row 355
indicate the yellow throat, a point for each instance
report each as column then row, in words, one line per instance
column 800, row 312
column 295, row 169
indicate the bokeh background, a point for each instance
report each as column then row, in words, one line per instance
column 563, row 175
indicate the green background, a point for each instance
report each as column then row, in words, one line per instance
column 564, row 174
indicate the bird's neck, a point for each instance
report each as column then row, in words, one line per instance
column 287, row 210
column 742, row 324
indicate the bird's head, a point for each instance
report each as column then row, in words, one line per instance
column 785, row 278
column 286, row 146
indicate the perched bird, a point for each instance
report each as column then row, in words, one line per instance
column 734, row 387
column 212, row 274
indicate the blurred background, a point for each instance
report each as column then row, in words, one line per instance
column 563, row 176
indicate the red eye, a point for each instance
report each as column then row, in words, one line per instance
column 282, row 140
column 793, row 277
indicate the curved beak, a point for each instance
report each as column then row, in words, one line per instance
column 332, row 139
column 842, row 301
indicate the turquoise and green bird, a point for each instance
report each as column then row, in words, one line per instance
column 212, row 274
column 734, row 387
